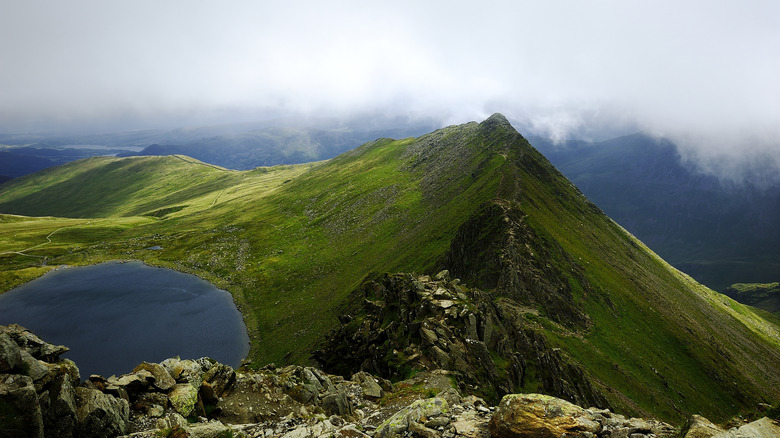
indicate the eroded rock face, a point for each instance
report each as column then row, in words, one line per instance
column 410, row 322
column 20, row 409
column 100, row 415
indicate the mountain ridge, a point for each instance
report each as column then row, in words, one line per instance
column 720, row 232
column 293, row 254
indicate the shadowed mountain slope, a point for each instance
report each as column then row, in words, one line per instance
column 719, row 232
column 478, row 200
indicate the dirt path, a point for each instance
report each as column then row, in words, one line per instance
column 22, row 252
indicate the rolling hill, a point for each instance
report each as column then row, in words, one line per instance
column 294, row 245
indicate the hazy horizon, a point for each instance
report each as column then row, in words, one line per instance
column 703, row 74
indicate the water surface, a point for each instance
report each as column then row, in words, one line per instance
column 115, row 315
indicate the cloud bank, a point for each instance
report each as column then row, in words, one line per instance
column 703, row 73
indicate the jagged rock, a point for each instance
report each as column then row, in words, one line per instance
column 58, row 406
column 162, row 378
column 699, row 427
column 440, row 325
column 33, row 367
column 183, row 398
column 152, row 404
column 336, row 404
column 184, row 371
column 134, row 382
column 369, row 385
column 19, row 408
column 763, row 428
column 399, row 423
column 100, row 415
column 419, row 430
column 10, row 354
column 216, row 381
column 537, row 415
column 34, row 345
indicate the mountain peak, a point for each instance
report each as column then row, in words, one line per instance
column 497, row 119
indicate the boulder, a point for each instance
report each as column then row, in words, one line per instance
column 10, row 354
column 58, row 406
column 162, row 378
column 369, row 385
column 763, row 428
column 537, row 415
column 184, row 371
column 33, row 344
column 36, row 369
column 19, row 408
column 220, row 378
column 336, row 403
column 183, row 398
column 699, row 427
column 134, row 382
column 399, row 423
column 100, row 415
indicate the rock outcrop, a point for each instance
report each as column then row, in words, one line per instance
column 40, row 393
column 205, row 399
column 407, row 323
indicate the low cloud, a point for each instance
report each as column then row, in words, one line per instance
column 701, row 73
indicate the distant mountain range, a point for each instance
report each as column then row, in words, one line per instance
column 717, row 231
column 240, row 146
column 544, row 292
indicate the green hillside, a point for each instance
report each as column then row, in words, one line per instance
column 765, row 296
column 292, row 244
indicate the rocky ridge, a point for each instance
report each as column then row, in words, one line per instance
column 41, row 395
column 490, row 344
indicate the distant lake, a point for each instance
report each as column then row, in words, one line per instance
column 113, row 316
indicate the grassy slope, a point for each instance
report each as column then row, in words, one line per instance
column 292, row 243
column 105, row 186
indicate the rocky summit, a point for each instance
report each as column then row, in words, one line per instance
column 42, row 395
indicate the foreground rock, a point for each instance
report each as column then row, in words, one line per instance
column 536, row 415
column 205, row 399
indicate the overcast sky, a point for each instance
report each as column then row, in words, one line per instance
column 705, row 73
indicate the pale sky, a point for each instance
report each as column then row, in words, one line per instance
column 705, row 73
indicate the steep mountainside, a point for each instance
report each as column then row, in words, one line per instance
column 580, row 308
column 718, row 232
column 764, row 296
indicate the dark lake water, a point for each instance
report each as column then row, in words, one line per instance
column 113, row 316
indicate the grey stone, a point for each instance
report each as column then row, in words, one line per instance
column 100, row 415
column 336, row 404
column 58, row 408
column 183, row 397
column 33, row 367
column 162, row 378
column 220, row 378
column 399, row 423
column 369, row 385
column 763, row 428
column 212, row 429
column 10, row 354
column 21, row 411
